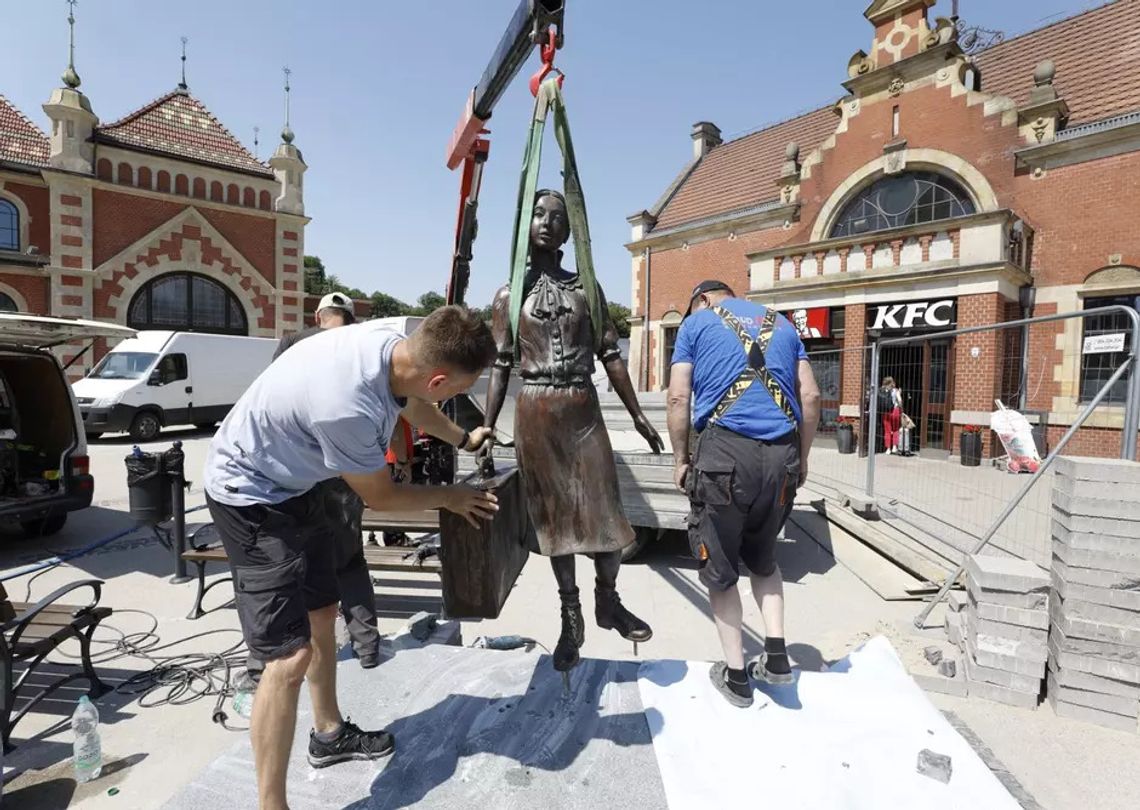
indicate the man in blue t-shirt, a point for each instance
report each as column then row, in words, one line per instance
column 742, row 372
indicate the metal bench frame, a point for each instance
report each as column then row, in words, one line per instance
column 82, row 628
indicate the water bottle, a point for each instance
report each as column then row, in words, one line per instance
column 244, row 693
column 88, row 749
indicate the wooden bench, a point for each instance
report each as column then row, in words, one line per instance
column 206, row 548
column 30, row 631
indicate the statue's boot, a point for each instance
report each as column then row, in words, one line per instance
column 613, row 615
column 573, row 632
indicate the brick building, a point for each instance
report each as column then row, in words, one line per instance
column 159, row 220
column 944, row 189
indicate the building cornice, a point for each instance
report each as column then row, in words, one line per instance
column 893, row 277
column 916, row 67
column 766, row 215
column 879, row 237
column 1086, row 142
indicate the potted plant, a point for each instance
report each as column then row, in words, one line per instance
column 971, row 445
column 845, row 434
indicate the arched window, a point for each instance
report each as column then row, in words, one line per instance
column 187, row 302
column 7, row 304
column 9, row 226
column 900, row 200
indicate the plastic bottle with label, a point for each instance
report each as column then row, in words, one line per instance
column 88, row 749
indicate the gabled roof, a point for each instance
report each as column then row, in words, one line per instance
column 742, row 173
column 21, row 141
column 1097, row 55
column 179, row 125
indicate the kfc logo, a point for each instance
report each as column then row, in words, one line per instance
column 915, row 315
column 811, row 323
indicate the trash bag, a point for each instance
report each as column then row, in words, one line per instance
column 150, row 477
column 1016, row 435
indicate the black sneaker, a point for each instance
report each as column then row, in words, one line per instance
column 351, row 743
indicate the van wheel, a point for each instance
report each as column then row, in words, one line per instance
column 45, row 526
column 145, row 427
column 642, row 538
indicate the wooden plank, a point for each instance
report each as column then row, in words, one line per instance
column 425, row 521
column 398, row 559
column 878, row 538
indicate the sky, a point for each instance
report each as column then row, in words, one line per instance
column 379, row 85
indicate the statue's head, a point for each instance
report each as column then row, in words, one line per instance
column 549, row 223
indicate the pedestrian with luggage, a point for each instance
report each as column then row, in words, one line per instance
column 890, row 413
column 740, row 369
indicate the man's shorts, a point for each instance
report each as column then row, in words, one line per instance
column 282, row 568
column 741, row 492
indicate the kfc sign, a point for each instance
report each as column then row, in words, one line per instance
column 811, row 323
column 914, row 315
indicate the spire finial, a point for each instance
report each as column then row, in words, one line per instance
column 70, row 77
column 182, row 84
column 287, row 133
column 256, row 142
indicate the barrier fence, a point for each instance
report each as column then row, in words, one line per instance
column 1071, row 374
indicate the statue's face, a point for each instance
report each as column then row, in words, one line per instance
column 549, row 225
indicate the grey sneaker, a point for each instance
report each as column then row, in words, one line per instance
column 718, row 674
column 758, row 671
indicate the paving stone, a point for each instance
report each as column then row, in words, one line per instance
column 1094, row 541
column 956, row 600
column 1097, row 525
column 1087, row 715
column 1001, row 677
column 1013, row 632
column 1097, row 469
column 1090, row 611
column 990, row 573
column 1127, row 707
column 1038, row 619
column 1124, row 653
column 1075, row 679
column 1038, row 600
column 1028, row 651
column 1066, row 589
column 944, row 686
column 1097, row 578
column 1080, row 488
column 1078, row 628
column 936, row 766
column 1089, row 656
column 996, row 660
column 953, row 624
column 999, row 694
column 1101, row 560
column 948, row 668
column 1111, row 508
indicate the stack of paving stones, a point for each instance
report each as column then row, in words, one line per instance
column 1094, row 643
column 1001, row 625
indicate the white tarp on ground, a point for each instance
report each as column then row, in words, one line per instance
column 848, row 738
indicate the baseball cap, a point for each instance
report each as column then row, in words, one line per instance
column 336, row 300
column 707, row 286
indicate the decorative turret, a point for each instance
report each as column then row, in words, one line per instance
column 72, row 120
column 289, row 165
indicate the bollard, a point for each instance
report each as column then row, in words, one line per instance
column 178, row 506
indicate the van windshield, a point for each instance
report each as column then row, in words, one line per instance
column 123, row 366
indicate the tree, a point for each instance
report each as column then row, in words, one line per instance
column 620, row 316
column 315, row 281
column 386, row 306
column 485, row 313
column 429, row 302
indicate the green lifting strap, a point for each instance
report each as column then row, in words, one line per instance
column 550, row 97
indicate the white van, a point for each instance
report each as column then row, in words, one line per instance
column 404, row 324
column 44, row 469
column 156, row 379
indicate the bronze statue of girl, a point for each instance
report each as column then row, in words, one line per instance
column 563, row 449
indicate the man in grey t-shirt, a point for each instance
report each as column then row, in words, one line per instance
column 326, row 408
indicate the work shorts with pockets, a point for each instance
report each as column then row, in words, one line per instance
column 282, row 568
column 741, row 492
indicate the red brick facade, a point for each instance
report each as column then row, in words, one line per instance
column 1054, row 208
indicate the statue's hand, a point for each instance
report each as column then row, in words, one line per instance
column 649, row 433
column 484, row 460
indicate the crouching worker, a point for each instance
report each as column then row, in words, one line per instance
column 756, row 409
column 327, row 408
